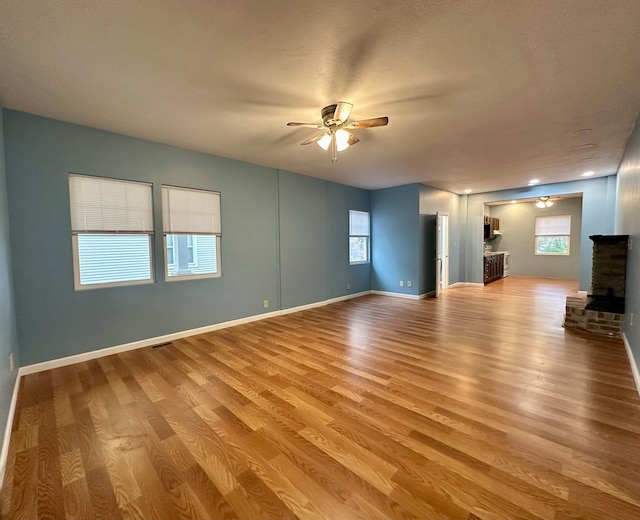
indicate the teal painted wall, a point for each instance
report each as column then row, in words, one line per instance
column 396, row 239
column 276, row 240
column 303, row 239
column 8, row 335
column 628, row 223
column 598, row 203
column 340, row 199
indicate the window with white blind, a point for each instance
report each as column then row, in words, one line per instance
column 553, row 235
column 112, row 227
column 358, row 237
column 192, row 231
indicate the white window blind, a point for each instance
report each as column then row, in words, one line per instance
column 191, row 222
column 189, row 211
column 109, row 205
column 358, row 223
column 112, row 225
column 358, row 237
column 557, row 225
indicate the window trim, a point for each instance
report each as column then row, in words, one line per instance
column 216, row 231
column 88, row 287
column 537, row 253
column 181, row 277
column 146, row 227
column 366, row 237
column 537, row 236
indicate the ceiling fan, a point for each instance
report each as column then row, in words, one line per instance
column 336, row 126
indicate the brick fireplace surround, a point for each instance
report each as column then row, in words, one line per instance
column 602, row 311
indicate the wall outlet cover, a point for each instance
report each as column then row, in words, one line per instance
column 401, row 283
column 265, row 304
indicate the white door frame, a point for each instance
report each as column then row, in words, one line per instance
column 442, row 252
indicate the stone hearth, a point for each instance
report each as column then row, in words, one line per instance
column 597, row 322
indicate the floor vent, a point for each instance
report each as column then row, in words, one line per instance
column 163, row 344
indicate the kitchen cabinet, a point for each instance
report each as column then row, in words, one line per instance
column 494, row 225
column 493, row 266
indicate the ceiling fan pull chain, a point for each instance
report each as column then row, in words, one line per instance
column 334, row 148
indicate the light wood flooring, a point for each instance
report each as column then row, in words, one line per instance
column 478, row 405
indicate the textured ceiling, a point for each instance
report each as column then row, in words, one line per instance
column 481, row 94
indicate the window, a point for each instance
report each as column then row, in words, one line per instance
column 553, row 235
column 191, row 222
column 358, row 237
column 112, row 226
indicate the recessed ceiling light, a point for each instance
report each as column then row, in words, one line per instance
column 468, row 190
column 587, row 174
column 533, row 182
column 583, row 131
column 585, row 146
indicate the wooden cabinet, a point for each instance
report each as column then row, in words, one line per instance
column 494, row 225
column 493, row 267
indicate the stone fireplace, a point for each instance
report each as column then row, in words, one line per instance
column 602, row 311
column 609, row 273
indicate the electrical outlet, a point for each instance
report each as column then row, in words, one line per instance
column 348, row 286
column 265, row 304
column 401, row 283
column 11, row 362
column 409, row 283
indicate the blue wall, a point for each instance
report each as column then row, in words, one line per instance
column 396, row 239
column 598, row 203
column 8, row 337
column 303, row 239
column 276, row 241
column 628, row 223
column 340, row 199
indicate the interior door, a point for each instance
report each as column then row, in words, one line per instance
column 442, row 252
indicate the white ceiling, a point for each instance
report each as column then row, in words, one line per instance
column 481, row 94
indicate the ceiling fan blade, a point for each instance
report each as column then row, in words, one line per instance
column 369, row 123
column 342, row 112
column 313, row 139
column 307, row 125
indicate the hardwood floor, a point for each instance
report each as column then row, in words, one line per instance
column 478, row 405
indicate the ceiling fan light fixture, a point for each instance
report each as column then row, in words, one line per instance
column 324, row 141
column 335, row 126
column 342, row 139
column 544, row 202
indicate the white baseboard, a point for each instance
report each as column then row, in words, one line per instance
column 107, row 351
column 306, row 307
column 582, row 293
column 632, row 361
column 324, row 302
column 397, row 295
column 7, row 431
column 466, row 284
column 427, row 295
column 347, row 297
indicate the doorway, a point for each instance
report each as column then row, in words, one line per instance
column 442, row 252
